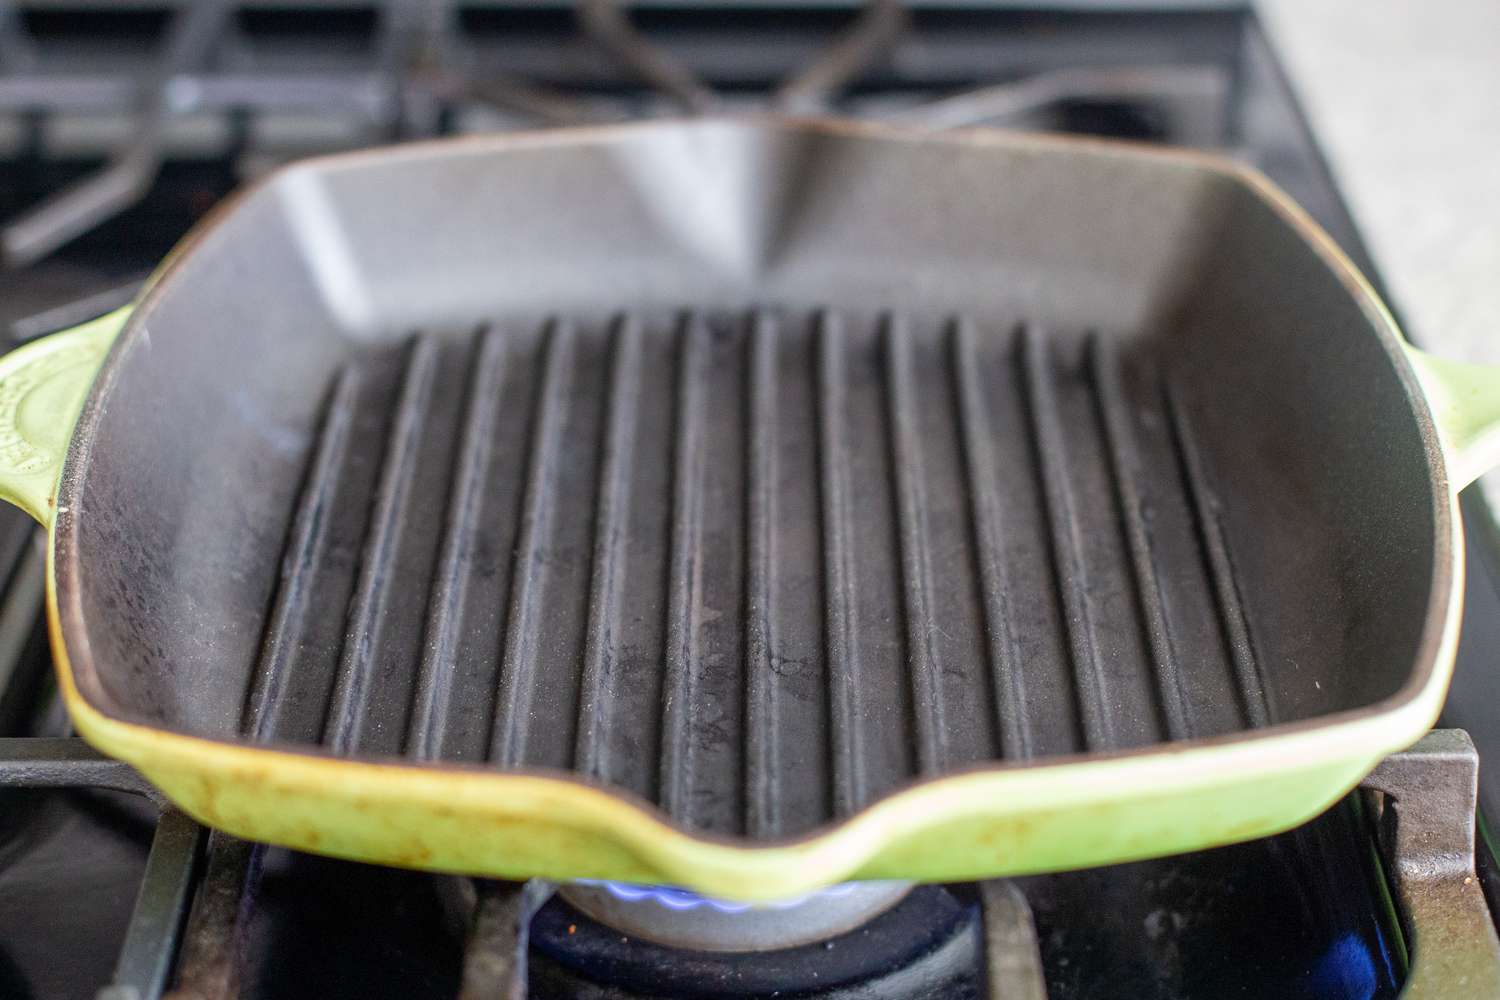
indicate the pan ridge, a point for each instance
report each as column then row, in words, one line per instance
column 760, row 567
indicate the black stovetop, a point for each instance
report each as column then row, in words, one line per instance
column 175, row 107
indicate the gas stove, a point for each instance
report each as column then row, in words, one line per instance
column 120, row 125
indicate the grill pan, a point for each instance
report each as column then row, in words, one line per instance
column 750, row 505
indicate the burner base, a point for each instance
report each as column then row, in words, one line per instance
column 928, row 938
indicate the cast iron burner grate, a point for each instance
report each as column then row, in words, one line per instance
column 218, row 917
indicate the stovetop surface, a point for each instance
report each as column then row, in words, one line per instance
column 99, row 890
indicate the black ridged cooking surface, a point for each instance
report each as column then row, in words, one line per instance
column 760, row 569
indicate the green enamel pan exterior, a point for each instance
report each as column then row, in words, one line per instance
column 1061, row 813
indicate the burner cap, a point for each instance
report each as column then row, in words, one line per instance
column 681, row 919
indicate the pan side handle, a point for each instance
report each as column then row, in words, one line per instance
column 42, row 388
column 1465, row 401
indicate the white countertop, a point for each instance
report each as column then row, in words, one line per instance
column 1404, row 96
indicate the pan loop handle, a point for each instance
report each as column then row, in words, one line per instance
column 1465, row 401
column 42, row 388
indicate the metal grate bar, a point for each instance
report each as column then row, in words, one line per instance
column 518, row 669
column 1091, row 688
column 64, row 762
column 606, row 22
column 682, row 631
column 916, row 562
column 544, row 104
column 195, row 30
column 873, row 33
column 1014, row 100
column 1125, row 463
column 23, row 568
column 1012, row 955
column 850, row 788
column 495, row 953
column 304, row 554
column 18, row 535
column 347, row 708
column 611, row 538
column 156, row 924
column 213, row 941
column 1427, row 811
column 1252, row 689
column 456, row 561
column 762, row 749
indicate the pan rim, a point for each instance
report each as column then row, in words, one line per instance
column 1363, row 733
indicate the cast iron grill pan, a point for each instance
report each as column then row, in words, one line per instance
column 758, row 567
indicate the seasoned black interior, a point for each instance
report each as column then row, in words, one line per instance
column 756, row 470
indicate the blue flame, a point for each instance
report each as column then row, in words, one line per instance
column 681, row 900
column 1346, row 970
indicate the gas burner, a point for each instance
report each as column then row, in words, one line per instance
column 925, row 942
column 683, row 919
